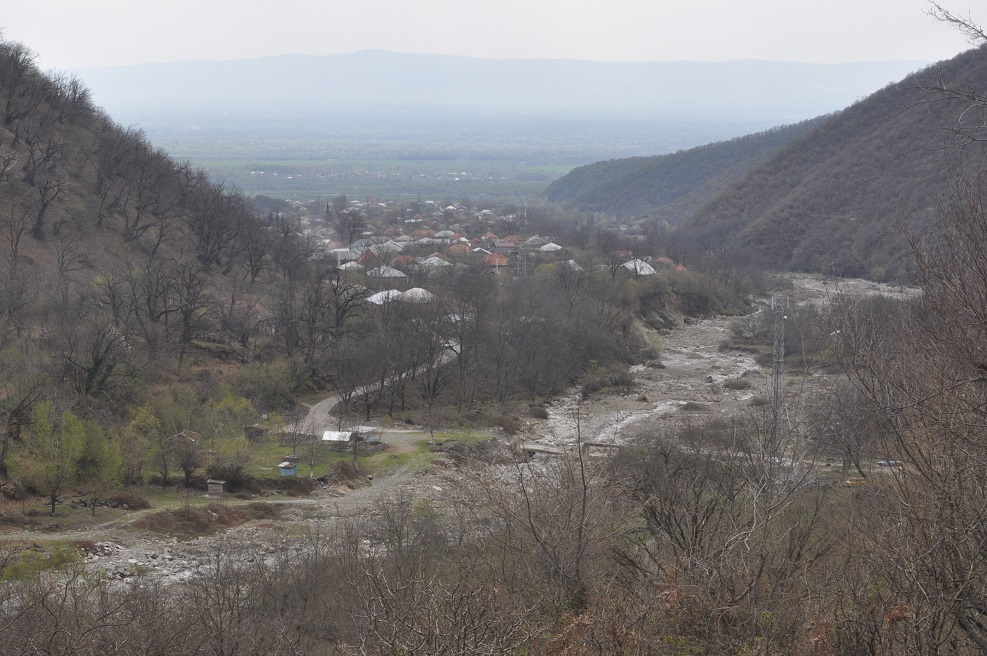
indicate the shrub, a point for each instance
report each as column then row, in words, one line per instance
column 599, row 379
column 345, row 470
column 737, row 384
column 508, row 423
column 295, row 487
column 31, row 562
column 271, row 386
column 131, row 500
column 191, row 521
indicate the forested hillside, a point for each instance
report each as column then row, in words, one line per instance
column 838, row 200
column 669, row 187
column 832, row 195
column 114, row 254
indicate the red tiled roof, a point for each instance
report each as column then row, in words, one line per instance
column 496, row 259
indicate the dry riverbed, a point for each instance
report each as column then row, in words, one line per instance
column 688, row 385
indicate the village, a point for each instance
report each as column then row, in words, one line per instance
column 405, row 253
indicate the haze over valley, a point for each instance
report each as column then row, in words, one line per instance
column 392, row 125
column 551, row 343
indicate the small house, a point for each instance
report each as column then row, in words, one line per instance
column 214, row 488
column 288, row 469
column 496, row 262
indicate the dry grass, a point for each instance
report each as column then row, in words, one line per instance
column 130, row 500
column 194, row 521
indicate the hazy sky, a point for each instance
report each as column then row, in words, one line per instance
column 73, row 33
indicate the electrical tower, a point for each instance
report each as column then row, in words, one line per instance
column 778, row 369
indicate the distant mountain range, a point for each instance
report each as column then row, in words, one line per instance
column 787, row 91
column 834, row 199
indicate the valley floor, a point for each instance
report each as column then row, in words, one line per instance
column 687, row 387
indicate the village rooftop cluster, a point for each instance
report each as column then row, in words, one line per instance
column 400, row 249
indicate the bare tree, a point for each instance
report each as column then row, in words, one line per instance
column 68, row 98
column 612, row 251
column 114, row 154
column 188, row 454
column 44, row 169
column 17, row 80
column 221, row 594
column 191, row 298
column 8, row 158
column 971, row 123
column 922, row 365
column 554, row 522
column 348, row 222
column 151, row 191
column 24, row 387
column 95, row 356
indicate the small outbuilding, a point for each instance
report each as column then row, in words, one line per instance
column 337, row 437
column 215, row 488
column 288, row 469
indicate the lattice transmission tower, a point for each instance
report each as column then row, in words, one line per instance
column 778, row 304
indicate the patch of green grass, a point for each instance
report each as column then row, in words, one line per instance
column 35, row 513
column 31, row 562
column 463, row 435
column 389, row 460
column 173, row 497
column 267, row 455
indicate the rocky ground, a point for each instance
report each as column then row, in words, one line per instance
column 689, row 382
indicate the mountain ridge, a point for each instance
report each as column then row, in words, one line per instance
column 684, row 179
column 839, row 200
column 383, row 77
column 836, row 200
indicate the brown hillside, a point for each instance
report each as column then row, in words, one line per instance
column 835, row 201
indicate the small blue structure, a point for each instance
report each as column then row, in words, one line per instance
column 288, row 470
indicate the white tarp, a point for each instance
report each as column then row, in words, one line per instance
column 640, row 267
column 383, row 297
column 385, row 272
column 417, row 295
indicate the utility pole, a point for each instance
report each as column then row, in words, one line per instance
column 778, row 369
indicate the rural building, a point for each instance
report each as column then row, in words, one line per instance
column 214, row 488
